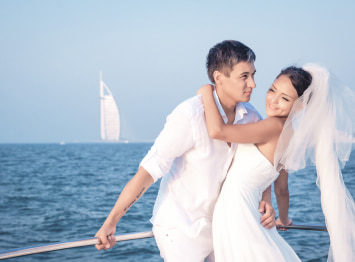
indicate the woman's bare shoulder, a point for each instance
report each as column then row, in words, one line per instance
column 275, row 123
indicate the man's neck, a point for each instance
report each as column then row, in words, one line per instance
column 230, row 113
column 228, row 107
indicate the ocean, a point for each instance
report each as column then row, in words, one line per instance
column 56, row 193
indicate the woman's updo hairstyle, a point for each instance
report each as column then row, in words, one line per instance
column 299, row 77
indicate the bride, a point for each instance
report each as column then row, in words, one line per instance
column 310, row 120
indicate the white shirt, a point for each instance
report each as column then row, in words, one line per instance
column 192, row 165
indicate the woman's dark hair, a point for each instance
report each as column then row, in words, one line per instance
column 223, row 56
column 299, row 77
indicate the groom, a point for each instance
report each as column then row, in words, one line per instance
column 191, row 164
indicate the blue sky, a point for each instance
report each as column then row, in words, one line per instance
column 152, row 56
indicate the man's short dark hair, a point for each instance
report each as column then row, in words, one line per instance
column 223, row 56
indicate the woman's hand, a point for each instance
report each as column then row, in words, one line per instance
column 281, row 223
column 203, row 89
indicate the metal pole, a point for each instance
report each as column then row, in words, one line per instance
column 93, row 241
column 65, row 245
column 304, row 227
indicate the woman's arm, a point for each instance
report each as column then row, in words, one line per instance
column 214, row 119
column 258, row 132
column 282, row 198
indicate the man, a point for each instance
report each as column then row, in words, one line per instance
column 191, row 164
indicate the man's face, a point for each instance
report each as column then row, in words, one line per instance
column 238, row 86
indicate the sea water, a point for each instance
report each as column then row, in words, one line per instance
column 57, row 193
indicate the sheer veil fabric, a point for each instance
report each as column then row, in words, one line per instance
column 319, row 131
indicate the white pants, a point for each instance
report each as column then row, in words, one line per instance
column 175, row 246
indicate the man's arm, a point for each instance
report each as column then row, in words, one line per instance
column 267, row 220
column 134, row 189
column 175, row 139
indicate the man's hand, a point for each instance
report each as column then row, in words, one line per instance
column 267, row 219
column 106, row 236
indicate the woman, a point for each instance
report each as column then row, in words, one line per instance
column 236, row 230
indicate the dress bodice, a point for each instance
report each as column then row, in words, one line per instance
column 251, row 169
column 237, row 232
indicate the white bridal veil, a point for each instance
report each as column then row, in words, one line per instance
column 320, row 131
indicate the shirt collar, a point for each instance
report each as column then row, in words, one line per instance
column 240, row 110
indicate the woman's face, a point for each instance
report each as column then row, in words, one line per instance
column 280, row 97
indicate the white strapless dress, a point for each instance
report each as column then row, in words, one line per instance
column 237, row 233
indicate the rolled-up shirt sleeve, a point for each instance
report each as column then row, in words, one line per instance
column 174, row 140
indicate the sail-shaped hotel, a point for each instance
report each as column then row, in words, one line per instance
column 110, row 118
